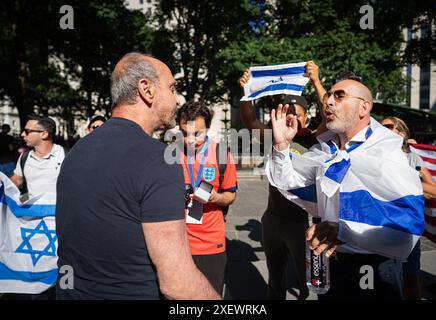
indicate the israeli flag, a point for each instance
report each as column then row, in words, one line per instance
column 28, row 241
column 276, row 79
column 370, row 189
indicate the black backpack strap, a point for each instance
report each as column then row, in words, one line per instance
column 23, row 160
column 222, row 167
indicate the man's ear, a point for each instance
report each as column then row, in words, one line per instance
column 365, row 109
column 146, row 91
column 44, row 135
column 306, row 120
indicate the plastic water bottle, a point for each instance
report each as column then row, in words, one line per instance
column 317, row 269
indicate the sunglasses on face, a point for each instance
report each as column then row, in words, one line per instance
column 27, row 131
column 389, row 126
column 340, row 95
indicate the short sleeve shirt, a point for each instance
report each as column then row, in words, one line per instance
column 42, row 174
column 210, row 236
column 112, row 181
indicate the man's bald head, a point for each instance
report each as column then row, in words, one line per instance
column 354, row 88
column 348, row 110
column 128, row 72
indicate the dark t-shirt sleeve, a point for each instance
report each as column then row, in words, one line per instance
column 164, row 195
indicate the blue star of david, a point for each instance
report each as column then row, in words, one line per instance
column 26, row 248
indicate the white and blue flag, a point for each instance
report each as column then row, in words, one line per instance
column 369, row 188
column 28, row 241
column 277, row 79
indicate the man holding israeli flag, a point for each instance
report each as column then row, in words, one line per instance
column 28, row 242
column 358, row 181
column 264, row 81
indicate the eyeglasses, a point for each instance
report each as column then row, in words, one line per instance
column 340, row 95
column 389, row 126
column 27, row 131
column 95, row 126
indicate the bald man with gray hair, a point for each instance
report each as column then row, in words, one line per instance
column 357, row 180
column 120, row 216
column 347, row 121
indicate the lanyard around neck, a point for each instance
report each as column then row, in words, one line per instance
column 195, row 183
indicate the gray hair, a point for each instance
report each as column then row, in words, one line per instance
column 125, row 78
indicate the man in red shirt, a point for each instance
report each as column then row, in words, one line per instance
column 205, row 219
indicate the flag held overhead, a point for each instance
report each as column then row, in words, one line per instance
column 276, row 79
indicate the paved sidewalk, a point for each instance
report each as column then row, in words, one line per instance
column 246, row 270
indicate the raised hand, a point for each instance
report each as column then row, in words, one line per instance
column 285, row 127
column 244, row 79
column 312, row 71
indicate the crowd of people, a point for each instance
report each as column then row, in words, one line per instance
column 133, row 226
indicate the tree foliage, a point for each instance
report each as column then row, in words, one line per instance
column 207, row 44
column 66, row 72
column 220, row 46
column 197, row 31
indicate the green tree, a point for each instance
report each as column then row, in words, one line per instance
column 204, row 48
column 194, row 33
column 104, row 32
column 333, row 30
column 65, row 72
column 25, row 36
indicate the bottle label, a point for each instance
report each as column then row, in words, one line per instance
column 316, row 270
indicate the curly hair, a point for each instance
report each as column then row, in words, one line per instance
column 192, row 110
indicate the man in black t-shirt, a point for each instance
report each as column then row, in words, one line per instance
column 120, row 206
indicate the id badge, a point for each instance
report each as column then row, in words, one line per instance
column 194, row 214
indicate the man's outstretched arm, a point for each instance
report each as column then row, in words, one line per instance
column 178, row 277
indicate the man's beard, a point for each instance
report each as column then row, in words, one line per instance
column 344, row 124
column 29, row 144
column 336, row 126
column 167, row 125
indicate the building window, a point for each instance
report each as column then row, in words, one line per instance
column 424, row 87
